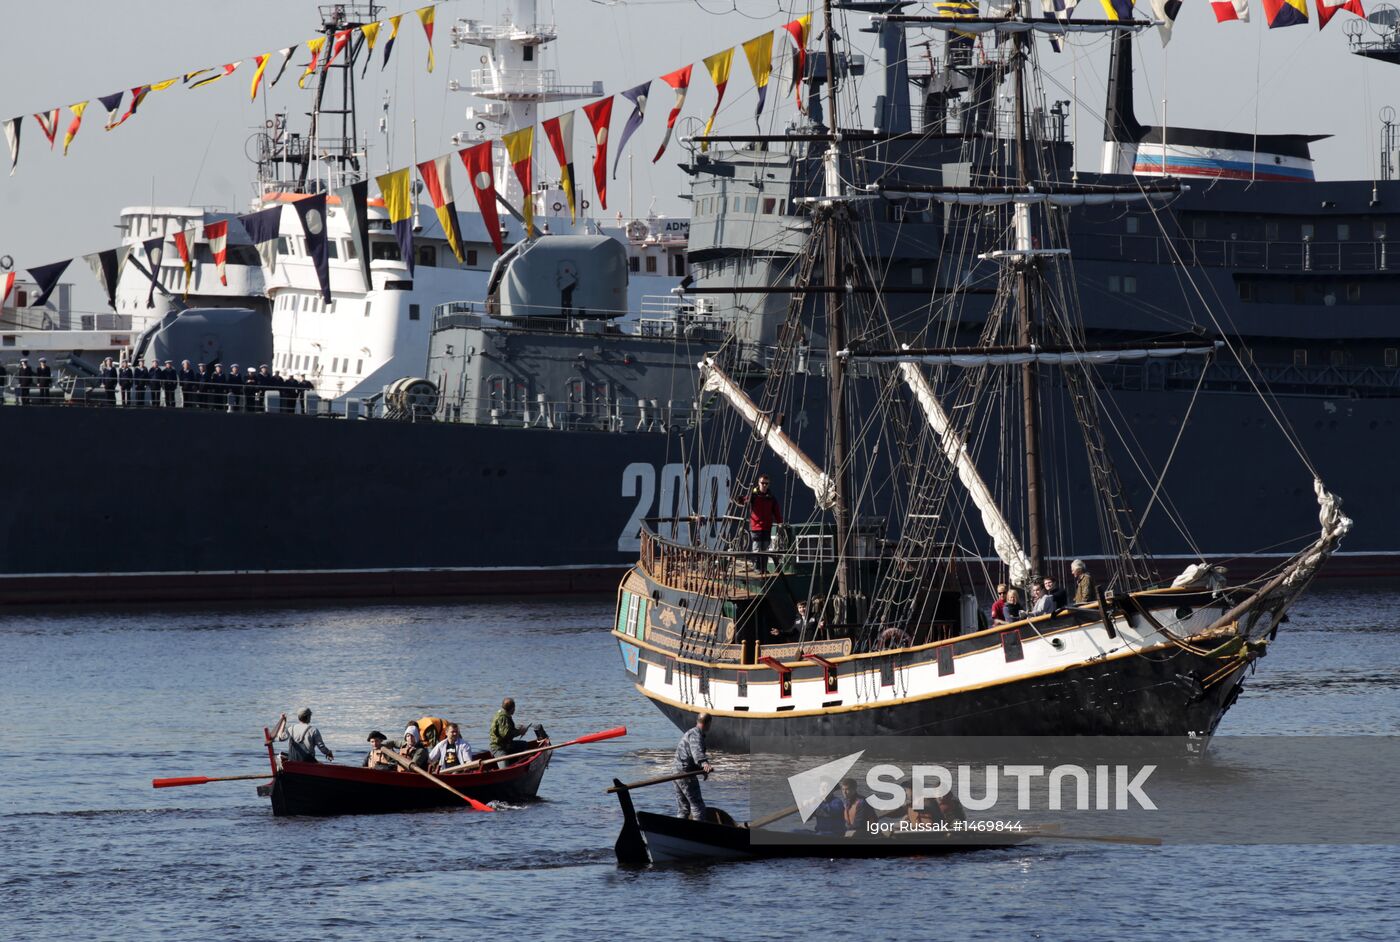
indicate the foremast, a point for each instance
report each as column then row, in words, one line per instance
column 832, row 210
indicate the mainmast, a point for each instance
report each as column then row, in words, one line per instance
column 830, row 206
column 1025, row 318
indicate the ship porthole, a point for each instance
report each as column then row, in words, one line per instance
column 1057, row 643
column 1182, row 613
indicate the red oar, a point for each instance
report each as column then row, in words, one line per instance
column 202, row 779
column 613, row 733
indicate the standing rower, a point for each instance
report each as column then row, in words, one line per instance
column 690, row 757
column 302, row 738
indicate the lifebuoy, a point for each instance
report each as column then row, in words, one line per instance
column 558, row 206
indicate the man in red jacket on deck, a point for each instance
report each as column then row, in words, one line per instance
column 763, row 513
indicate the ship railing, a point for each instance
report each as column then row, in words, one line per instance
column 1334, row 380
column 478, row 33
column 1252, row 254
column 487, row 82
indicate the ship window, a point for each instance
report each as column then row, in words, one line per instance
column 1130, row 284
column 366, row 309
column 332, row 248
column 1378, row 231
column 471, row 257
column 1307, row 231
column 427, row 255
column 528, row 53
column 916, row 275
column 284, row 245
column 384, row 250
column 350, row 249
column 1130, row 224
column 887, row 672
column 1300, row 358
column 634, row 264
column 651, row 264
column 679, row 264
column 1115, row 283
column 1198, row 228
column 741, row 682
column 414, row 311
column 1343, row 232
column 316, row 363
column 1246, row 289
column 1011, row 645
column 1338, row 357
column 1354, row 291
column 770, row 206
column 1392, row 357
column 335, row 364
column 359, row 367
column 1271, row 232
column 751, row 204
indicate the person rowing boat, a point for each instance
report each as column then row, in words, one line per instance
column 302, row 738
column 691, row 757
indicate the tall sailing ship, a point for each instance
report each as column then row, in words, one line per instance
column 942, row 474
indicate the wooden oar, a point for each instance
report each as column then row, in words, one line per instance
column 775, row 816
column 203, row 779
column 404, row 763
column 613, row 733
column 620, row 787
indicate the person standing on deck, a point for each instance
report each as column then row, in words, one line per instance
column 24, row 380
column 691, row 757
column 302, row 738
column 763, row 513
column 43, row 377
column 1085, row 591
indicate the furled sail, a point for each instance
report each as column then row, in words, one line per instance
column 772, row 434
column 971, row 358
column 955, row 450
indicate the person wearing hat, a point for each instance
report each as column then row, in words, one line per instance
column 302, row 738
column 374, row 760
column 43, row 378
column 1084, row 589
column 24, row 379
column 168, row 382
column 107, row 378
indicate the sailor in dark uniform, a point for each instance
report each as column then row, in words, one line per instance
column 168, row 382
column 107, row 377
column 216, row 389
column 4, row 375
column 24, row 380
column 201, row 387
column 126, row 379
column 140, row 382
column 188, row 381
column 43, row 376
column 264, row 378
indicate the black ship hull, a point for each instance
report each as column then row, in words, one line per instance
column 168, row 504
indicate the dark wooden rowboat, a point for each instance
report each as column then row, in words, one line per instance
column 322, row 789
column 648, row 838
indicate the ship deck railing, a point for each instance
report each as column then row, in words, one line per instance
column 1360, row 256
